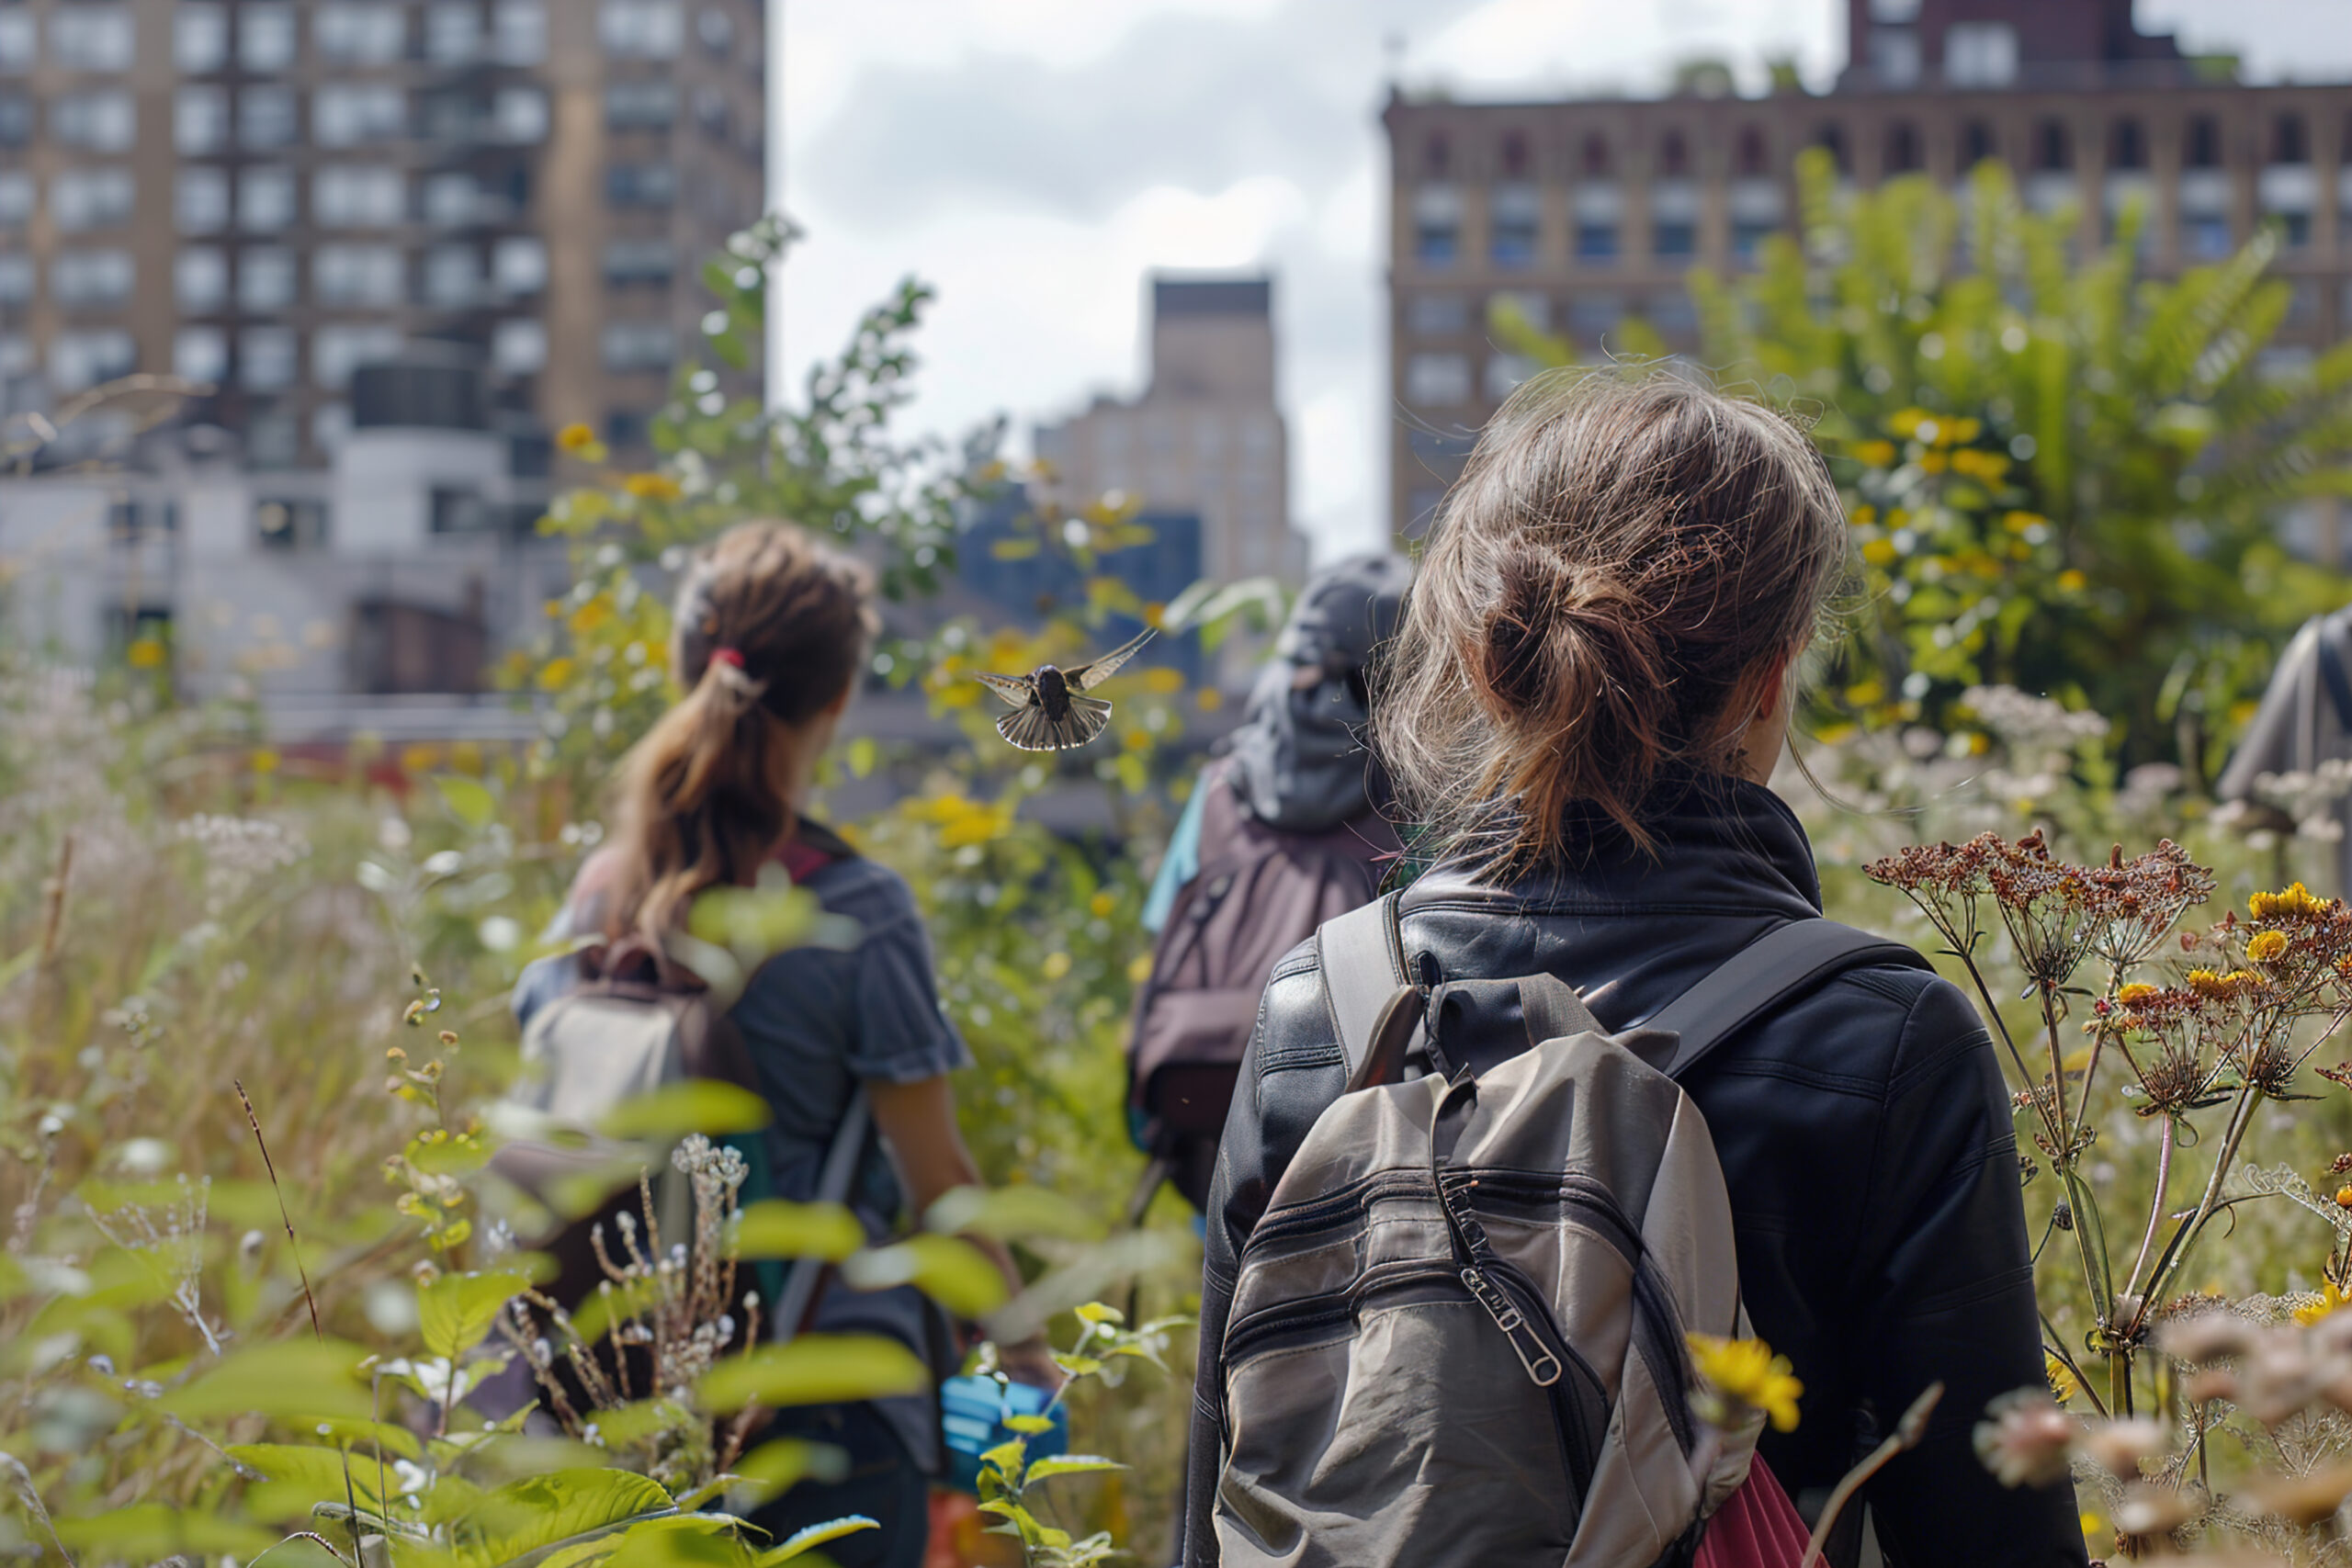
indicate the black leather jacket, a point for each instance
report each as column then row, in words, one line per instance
column 1864, row 1131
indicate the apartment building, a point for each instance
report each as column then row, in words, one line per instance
column 1589, row 212
column 1206, row 437
column 265, row 195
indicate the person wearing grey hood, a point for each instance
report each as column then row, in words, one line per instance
column 1283, row 833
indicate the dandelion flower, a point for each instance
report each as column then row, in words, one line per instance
column 2267, row 947
column 652, row 487
column 575, row 437
column 2137, row 991
column 2331, row 1296
column 2064, row 1384
column 1747, row 1373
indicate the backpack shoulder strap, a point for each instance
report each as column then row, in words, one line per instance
column 1778, row 965
column 2332, row 670
column 1363, row 957
column 833, row 1181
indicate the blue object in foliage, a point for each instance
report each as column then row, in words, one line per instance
column 972, row 1412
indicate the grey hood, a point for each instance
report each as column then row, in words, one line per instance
column 1299, row 763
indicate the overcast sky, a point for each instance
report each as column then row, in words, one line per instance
column 1035, row 158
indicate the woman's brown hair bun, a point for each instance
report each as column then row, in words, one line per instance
column 1621, row 552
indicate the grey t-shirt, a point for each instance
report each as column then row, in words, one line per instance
column 818, row 1022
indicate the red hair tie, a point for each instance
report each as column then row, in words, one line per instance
column 728, row 656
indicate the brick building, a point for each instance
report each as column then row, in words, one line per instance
column 1590, row 212
column 267, row 194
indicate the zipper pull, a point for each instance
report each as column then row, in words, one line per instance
column 1541, row 1364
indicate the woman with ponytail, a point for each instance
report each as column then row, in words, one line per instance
column 771, row 630
column 1587, row 698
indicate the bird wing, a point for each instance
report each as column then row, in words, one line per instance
column 1030, row 729
column 1014, row 689
column 1088, row 716
column 1086, row 677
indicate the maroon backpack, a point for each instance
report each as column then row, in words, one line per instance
column 1259, row 892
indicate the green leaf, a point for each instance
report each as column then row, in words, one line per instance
column 1030, row 1426
column 317, row 1471
column 774, row 1227
column 286, row 1378
column 776, row 1466
column 550, row 1510
column 815, row 1369
column 691, row 1105
column 950, row 1271
column 1096, row 1311
column 299, row 1551
column 456, row 1312
column 146, row 1532
column 1071, row 1464
column 862, row 754
column 1006, row 1213
column 467, row 799
column 807, row 1540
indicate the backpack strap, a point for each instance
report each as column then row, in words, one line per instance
column 2332, row 671
column 1776, row 966
column 833, row 1181
column 1363, row 956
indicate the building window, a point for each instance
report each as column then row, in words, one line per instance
column 1437, row 380
column 1515, row 158
column 264, row 199
column 1505, row 372
column 2053, row 148
column 1532, row 309
column 92, row 198
column 343, row 347
column 716, row 30
column 520, row 115
column 519, row 265
column 200, row 119
column 200, row 200
column 16, row 278
column 519, row 32
column 92, row 279
column 1514, row 216
column 2205, row 236
column 1436, row 315
column 2290, row 142
column 2127, row 145
column 351, row 33
column 648, row 105
column 1437, row 156
column 265, row 35
column 1673, row 314
column 1593, row 158
column 352, row 114
column 453, row 32
column 1750, row 158
column 290, row 524
column 16, row 198
column 452, row 277
column 1437, row 225
column 640, row 184
column 1596, row 237
column 1981, row 54
column 93, row 38
column 1674, row 240
column 2202, row 149
column 19, row 42
column 713, row 116
column 640, row 29
column 85, row 357
column 1592, row 316
column 201, row 279
column 349, row 274
column 268, row 358
column 99, row 120
column 265, row 116
column 635, row 260
column 1977, row 143
column 200, row 353
column 639, row 346
column 1903, row 148
column 1674, row 154
column 1894, row 57
column 265, row 278
column 356, row 196
column 626, row 428
column 518, row 346
column 16, row 119
column 1830, row 137
column 1896, row 13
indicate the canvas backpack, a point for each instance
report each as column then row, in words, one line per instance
column 1456, row 1337
column 1259, row 892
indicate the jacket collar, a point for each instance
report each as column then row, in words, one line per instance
column 1719, row 844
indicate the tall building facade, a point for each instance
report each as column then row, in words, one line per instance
column 1205, row 438
column 1586, row 213
column 265, row 195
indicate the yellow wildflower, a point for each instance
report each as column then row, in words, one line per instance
column 2063, row 1383
column 575, row 437
column 1874, row 454
column 147, row 653
column 2072, row 581
column 652, row 487
column 2267, row 946
column 2297, row 900
column 1909, row 420
column 1866, row 694
column 1103, row 905
column 1160, row 681
column 1933, row 462
column 2313, row 1308
column 2137, row 991
column 1746, row 1370
column 1879, row 552
column 2207, row 983
column 1209, row 699
column 1056, row 966
column 2343, row 1196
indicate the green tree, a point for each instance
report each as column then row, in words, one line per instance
column 2062, row 473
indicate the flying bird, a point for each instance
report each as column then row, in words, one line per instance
column 1051, row 710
